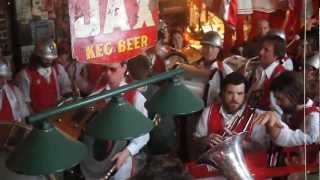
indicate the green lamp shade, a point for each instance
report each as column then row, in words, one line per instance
column 119, row 121
column 174, row 99
column 45, row 151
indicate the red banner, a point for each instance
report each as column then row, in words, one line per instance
column 110, row 31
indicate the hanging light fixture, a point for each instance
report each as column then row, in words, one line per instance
column 119, row 121
column 46, row 150
column 174, row 98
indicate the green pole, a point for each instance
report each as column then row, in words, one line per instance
column 103, row 95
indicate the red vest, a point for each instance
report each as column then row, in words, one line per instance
column 216, row 122
column 128, row 97
column 6, row 111
column 294, row 123
column 215, row 125
column 294, row 152
column 96, row 75
column 43, row 94
column 265, row 97
column 159, row 65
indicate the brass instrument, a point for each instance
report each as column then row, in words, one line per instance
column 228, row 157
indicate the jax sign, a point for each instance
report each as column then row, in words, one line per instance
column 111, row 31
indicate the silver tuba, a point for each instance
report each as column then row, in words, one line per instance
column 228, row 157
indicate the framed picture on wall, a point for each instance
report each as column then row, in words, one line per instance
column 42, row 29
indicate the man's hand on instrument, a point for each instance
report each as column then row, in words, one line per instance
column 269, row 119
column 121, row 157
column 213, row 139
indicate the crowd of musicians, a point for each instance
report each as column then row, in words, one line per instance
column 277, row 103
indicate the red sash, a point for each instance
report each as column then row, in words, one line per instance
column 6, row 111
column 220, row 71
column 216, row 123
column 128, row 97
column 297, row 119
column 159, row 65
column 43, row 94
column 96, row 75
column 265, row 99
column 290, row 152
column 294, row 124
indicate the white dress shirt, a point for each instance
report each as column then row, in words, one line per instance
column 135, row 145
column 289, row 137
column 138, row 102
column 17, row 103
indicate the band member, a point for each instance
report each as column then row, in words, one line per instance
column 233, row 115
column 77, row 72
column 177, row 39
column 271, row 52
column 312, row 77
column 12, row 104
column 115, row 74
column 161, row 51
column 302, row 125
column 41, row 83
column 286, row 60
column 288, row 91
column 250, row 47
column 210, row 68
column 261, row 10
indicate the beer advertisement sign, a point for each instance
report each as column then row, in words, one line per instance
column 111, row 31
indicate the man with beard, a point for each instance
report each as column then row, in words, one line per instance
column 43, row 84
column 233, row 115
column 303, row 128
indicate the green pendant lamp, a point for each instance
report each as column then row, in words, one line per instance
column 119, row 121
column 174, row 99
column 46, row 150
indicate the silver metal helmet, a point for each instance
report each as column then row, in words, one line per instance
column 4, row 69
column 212, row 38
column 46, row 49
column 162, row 26
column 314, row 61
column 279, row 33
